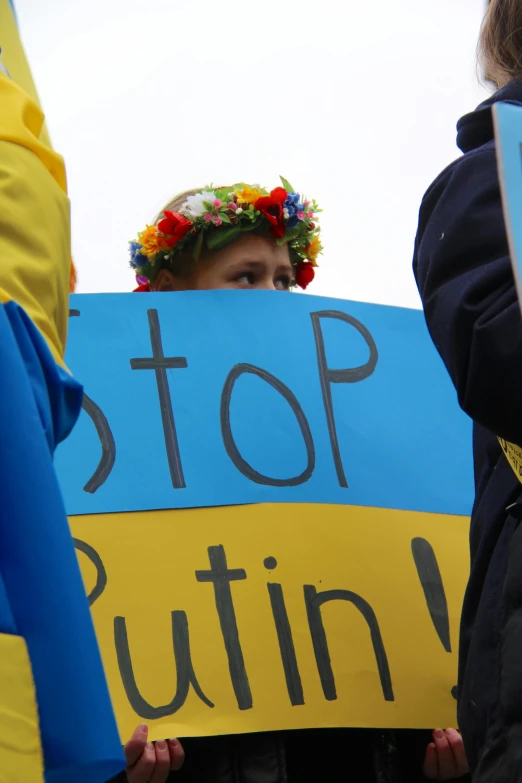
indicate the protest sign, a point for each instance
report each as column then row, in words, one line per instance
column 507, row 120
column 270, row 498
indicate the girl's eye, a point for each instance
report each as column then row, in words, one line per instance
column 283, row 283
column 246, row 278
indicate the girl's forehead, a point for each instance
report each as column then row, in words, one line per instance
column 254, row 245
column 261, row 259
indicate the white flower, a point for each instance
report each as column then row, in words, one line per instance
column 239, row 211
column 193, row 206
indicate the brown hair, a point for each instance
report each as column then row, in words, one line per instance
column 500, row 42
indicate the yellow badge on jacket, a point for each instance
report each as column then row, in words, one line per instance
column 514, row 457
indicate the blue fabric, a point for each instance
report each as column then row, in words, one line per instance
column 42, row 597
column 465, row 279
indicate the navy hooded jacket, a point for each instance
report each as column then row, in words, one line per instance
column 464, row 276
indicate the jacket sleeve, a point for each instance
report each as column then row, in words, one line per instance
column 463, row 272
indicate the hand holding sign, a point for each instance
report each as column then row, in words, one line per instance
column 147, row 761
column 445, row 756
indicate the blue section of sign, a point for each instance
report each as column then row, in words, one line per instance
column 508, row 134
column 168, row 437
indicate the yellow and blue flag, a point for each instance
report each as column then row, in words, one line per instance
column 56, row 719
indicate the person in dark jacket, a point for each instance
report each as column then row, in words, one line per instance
column 464, row 275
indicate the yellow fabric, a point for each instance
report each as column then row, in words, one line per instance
column 35, row 253
column 20, row 749
column 13, row 57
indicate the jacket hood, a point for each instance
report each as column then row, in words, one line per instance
column 476, row 128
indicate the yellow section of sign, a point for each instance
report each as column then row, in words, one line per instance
column 14, row 59
column 283, row 616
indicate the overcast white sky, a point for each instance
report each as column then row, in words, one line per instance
column 354, row 101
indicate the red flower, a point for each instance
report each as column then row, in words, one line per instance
column 174, row 226
column 144, row 288
column 272, row 208
column 304, row 274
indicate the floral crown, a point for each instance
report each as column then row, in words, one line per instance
column 214, row 218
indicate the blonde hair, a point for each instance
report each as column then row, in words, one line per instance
column 185, row 262
column 175, row 204
column 500, row 42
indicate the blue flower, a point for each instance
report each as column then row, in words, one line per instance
column 291, row 207
column 137, row 259
column 292, row 200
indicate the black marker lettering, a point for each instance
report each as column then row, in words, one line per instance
column 101, row 573
column 221, row 576
column 328, row 376
column 228, row 439
column 433, row 588
column 286, row 644
column 185, row 674
column 160, row 364
column 107, row 442
column 313, row 602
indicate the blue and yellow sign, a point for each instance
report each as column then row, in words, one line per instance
column 507, row 119
column 270, row 498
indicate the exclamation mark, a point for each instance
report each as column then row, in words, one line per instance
column 434, row 593
column 433, row 588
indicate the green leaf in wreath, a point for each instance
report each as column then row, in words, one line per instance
column 224, row 194
column 198, row 246
column 291, row 233
column 222, row 237
column 287, row 186
column 251, row 225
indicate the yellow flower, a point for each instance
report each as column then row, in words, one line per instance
column 152, row 242
column 313, row 250
column 248, row 195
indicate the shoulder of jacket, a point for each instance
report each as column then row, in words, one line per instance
column 484, row 156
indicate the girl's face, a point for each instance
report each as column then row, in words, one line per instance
column 251, row 262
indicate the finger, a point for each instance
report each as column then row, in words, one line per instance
column 430, row 768
column 162, row 766
column 459, row 754
column 134, row 747
column 141, row 772
column 446, row 762
column 177, row 754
